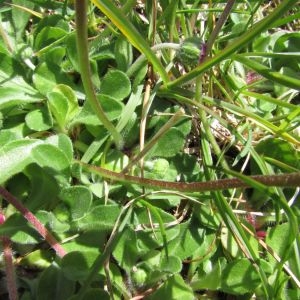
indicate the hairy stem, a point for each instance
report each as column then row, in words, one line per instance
column 281, row 180
column 30, row 217
column 9, row 268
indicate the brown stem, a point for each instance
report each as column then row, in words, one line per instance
column 9, row 268
column 220, row 23
column 30, row 217
column 281, row 180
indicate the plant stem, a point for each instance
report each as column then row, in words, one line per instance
column 218, row 26
column 30, row 217
column 8, row 263
column 84, row 64
column 281, row 180
column 9, row 268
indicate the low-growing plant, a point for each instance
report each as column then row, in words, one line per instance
column 149, row 149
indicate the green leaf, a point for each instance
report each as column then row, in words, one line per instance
column 9, row 135
column 55, row 55
column 15, row 156
column 128, row 117
column 123, row 53
column 280, row 150
column 39, row 119
column 101, row 218
column 156, row 169
column 47, row 75
column 116, row 160
column 44, row 188
column 127, row 253
column 59, row 107
column 19, row 231
column 54, row 162
column 171, row 265
column 189, row 239
column 187, row 167
column 72, row 51
column 63, row 104
column 278, row 239
column 95, row 294
column 50, row 220
column 53, row 284
column 47, row 36
column 142, row 216
column 53, row 20
column 17, row 95
column 112, row 108
column 230, row 244
column 207, row 216
column 63, row 142
column 169, row 144
column 9, row 67
column 115, row 84
column 288, row 43
column 212, row 279
column 101, row 49
column 239, row 277
column 173, row 288
column 20, row 17
column 79, row 199
column 12, row 76
column 76, row 265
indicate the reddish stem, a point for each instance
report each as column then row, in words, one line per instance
column 30, row 217
column 9, row 268
column 8, row 263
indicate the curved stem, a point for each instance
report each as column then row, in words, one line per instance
column 281, row 180
column 84, row 64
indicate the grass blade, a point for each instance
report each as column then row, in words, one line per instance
column 133, row 36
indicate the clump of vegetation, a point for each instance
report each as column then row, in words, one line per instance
column 149, row 149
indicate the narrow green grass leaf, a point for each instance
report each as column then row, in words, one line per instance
column 134, row 37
